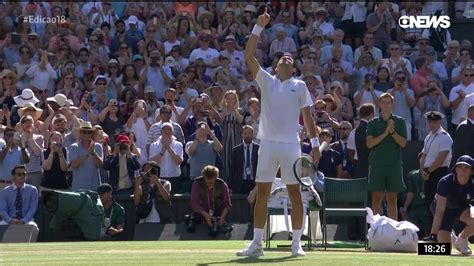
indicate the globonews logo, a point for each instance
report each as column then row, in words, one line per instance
column 424, row 22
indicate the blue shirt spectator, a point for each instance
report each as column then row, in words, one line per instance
column 23, row 210
column 11, row 155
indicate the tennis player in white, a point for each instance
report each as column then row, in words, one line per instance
column 283, row 98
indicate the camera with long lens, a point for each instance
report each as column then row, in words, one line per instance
column 190, row 222
column 146, row 175
column 214, row 230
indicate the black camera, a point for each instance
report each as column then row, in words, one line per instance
column 190, row 222
column 122, row 146
column 214, row 230
column 146, row 175
column 319, row 114
column 428, row 91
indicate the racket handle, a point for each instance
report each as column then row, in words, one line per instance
column 323, row 146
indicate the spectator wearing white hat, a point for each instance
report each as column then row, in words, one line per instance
column 134, row 33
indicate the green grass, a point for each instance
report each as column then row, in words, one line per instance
column 199, row 253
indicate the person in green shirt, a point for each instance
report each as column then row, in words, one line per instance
column 114, row 214
column 386, row 136
column 414, row 205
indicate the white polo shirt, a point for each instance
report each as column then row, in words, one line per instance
column 434, row 144
column 168, row 168
column 280, row 108
column 351, row 143
column 461, row 111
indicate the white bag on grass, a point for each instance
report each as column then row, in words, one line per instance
column 386, row 234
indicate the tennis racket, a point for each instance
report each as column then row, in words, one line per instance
column 305, row 168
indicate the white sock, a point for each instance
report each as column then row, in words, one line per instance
column 257, row 236
column 297, row 235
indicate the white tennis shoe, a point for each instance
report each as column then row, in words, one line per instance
column 252, row 250
column 297, row 250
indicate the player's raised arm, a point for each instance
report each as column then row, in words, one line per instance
column 251, row 46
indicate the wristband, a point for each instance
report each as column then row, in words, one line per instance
column 257, row 30
column 314, row 142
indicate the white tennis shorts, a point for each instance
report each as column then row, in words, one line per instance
column 272, row 155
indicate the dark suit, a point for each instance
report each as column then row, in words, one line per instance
column 339, row 147
column 236, row 179
column 363, row 152
column 111, row 163
column 462, row 140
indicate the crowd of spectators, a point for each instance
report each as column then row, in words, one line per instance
column 111, row 86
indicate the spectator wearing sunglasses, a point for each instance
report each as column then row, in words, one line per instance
column 458, row 95
column 465, row 60
column 86, row 157
column 22, row 65
column 396, row 62
column 19, row 213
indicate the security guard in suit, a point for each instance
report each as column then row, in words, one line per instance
column 436, row 155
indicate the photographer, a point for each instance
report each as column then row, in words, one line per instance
column 121, row 165
column 210, row 199
column 155, row 74
column 367, row 93
column 432, row 99
column 151, row 195
column 404, row 99
column 452, row 202
column 323, row 119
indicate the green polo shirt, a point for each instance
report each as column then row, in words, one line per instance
column 116, row 215
column 387, row 152
column 415, row 184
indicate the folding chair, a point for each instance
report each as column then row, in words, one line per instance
column 339, row 191
column 280, row 211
